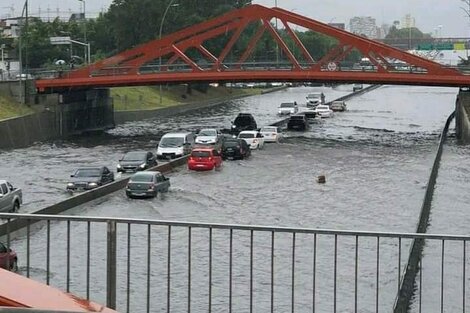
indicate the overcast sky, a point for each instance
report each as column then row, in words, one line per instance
column 429, row 14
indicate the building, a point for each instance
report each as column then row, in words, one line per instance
column 363, row 26
column 338, row 25
column 408, row 21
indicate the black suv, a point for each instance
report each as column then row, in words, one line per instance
column 297, row 122
column 136, row 161
column 234, row 148
column 244, row 121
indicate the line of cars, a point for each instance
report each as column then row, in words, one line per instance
column 11, row 199
column 315, row 107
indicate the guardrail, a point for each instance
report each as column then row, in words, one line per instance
column 141, row 265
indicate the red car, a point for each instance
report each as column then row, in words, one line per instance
column 8, row 254
column 204, row 159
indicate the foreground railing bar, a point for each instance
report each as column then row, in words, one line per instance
column 128, row 277
column 235, row 227
column 28, row 247
column 230, row 274
column 377, row 281
column 464, row 270
column 149, row 255
column 251, row 271
column 399, row 265
column 8, row 242
column 210, row 270
column 335, row 272
column 189, row 269
column 442, row 275
column 168, row 271
column 48, row 251
column 420, row 284
column 293, row 274
column 356, row 268
column 272, row 272
column 88, row 262
column 68, row 257
column 314, row 270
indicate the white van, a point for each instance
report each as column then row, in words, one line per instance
column 175, row 145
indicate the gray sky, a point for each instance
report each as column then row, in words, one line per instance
column 429, row 14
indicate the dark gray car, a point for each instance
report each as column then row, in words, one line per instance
column 147, row 184
column 136, row 161
column 87, row 178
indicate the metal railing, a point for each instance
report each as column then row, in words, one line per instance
column 138, row 265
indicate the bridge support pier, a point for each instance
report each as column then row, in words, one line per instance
column 462, row 116
column 84, row 111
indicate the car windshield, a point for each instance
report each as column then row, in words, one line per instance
column 208, row 132
column 168, row 142
column 268, row 129
column 142, row 177
column 297, row 117
column 287, row 105
column 200, row 154
column 134, row 156
column 231, row 143
column 313, row 96
column 242, row 120
column 246, row 135
column 88, row 172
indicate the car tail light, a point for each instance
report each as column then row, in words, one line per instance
column 210, row 158
column 191, row 158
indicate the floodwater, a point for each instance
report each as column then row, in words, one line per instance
column 376, row 158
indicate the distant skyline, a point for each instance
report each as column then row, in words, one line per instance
column 429, row 14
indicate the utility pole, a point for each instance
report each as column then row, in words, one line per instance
column 466, row 9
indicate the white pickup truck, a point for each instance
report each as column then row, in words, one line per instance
column 10, row 198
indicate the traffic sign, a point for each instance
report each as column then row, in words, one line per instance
column 60, row 40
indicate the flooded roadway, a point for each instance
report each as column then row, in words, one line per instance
column 376, row 158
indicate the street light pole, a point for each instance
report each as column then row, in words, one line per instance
column 84, row 28
column 171, row 4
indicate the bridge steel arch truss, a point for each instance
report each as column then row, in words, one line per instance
column 171, row 59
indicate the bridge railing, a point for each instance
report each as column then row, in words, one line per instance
column 139, row 265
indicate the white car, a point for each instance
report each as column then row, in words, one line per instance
column 288, row 108
column 271, row 134
column 208, row 136
column 315, row 99
column 253, row 138
column 324, row 111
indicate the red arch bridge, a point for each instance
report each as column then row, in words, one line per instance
column 185, row 57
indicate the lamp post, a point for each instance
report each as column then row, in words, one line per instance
column 22, row 93
column 87, row 56
column 171, row 4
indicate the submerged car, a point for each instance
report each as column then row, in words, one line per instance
column 297, row 122
column 136, row 161
column 87, row 178
column 204, row 159
column 338, row 106
column 324, row 111
column 253, row 138
column 234, row 148
column 357, row 87
column 288, row 108
column 208, row 136
column 315, row 99
column 147, row 184
column 8, row 258
column 271, row 133
column 243, row 121
column 175, row 145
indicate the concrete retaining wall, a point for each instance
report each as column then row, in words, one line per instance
column 85, row 197
column 462, row 117
column 26, row 130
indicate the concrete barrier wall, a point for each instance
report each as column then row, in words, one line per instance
column 407, row 284
column 23, row 131
column 462, row 115
column 85, row 197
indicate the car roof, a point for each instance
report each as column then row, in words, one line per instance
column 147, row 173
column 249, row 132
column 137, row 151
column 91, row 168
column 203, row 149
column 176, row 134
column 3, row 181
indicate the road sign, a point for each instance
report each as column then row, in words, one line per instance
column 60, row 40
column 332, row 66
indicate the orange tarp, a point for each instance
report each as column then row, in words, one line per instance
column 22, row 292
